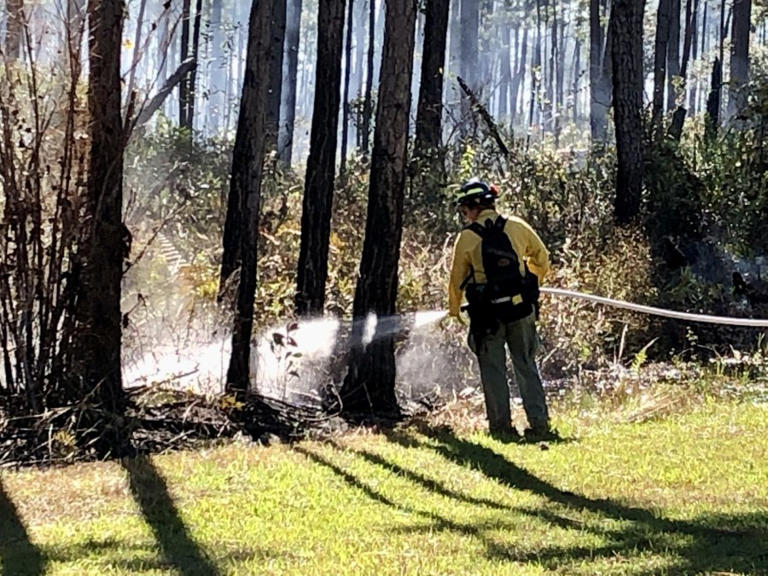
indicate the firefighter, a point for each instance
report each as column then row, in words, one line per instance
column 502, row 305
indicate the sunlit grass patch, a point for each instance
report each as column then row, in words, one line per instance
column 683, row 493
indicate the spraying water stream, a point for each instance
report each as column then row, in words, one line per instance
column 290, row 362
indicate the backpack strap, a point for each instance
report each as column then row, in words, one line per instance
column 476, row 228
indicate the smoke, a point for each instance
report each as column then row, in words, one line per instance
column 296, row 362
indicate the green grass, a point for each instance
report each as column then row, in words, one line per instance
column 686, row 493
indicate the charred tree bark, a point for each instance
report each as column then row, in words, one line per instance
column 737, row 98
column 241, row 229
column 106, row 243
column 370, row 381
column 626, row 33
column 319, row 180
column 713, row 100
column 430, row 107
column 288, row 112
column 275, row 74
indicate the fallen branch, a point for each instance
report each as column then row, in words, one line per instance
column 157, row 100
column 486, row 116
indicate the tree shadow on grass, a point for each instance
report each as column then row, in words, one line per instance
column 723, row 543
column 438, row 522
column 18, row 556
column 151, row 494
column 134, row 558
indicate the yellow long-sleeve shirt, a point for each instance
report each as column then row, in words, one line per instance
column 468, row 257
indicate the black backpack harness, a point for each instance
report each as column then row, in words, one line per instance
column 508, row 294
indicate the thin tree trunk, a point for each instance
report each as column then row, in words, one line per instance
column 319, row 180
column 505, row 69
column 241, row 229
column 345, row 98
column 105, row 246
column 136, row 49
column 626, row 33
column 599, row 75
column 673, row 54
column 660, row 66
column 693, row 93
column 470, row 28
column 678, row 119
column 359, row 70
column 519, row 78
column 288, row 112
column 367, row 104
column 275, row 74
column 192, row 90
column 430, row 106
column 576, row 77
column 184, row 120
column 219, row 64
column 13, row 30
column 370, row 381
column 737, row 97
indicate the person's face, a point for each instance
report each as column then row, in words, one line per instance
column 469, row 214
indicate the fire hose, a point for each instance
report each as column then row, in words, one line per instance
column 748, row 322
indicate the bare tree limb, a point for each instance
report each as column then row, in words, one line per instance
column 157, row 100
column 485, row 115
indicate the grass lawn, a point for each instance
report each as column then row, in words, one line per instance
column 684, row 493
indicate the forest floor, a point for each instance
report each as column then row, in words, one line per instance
column 673, row 481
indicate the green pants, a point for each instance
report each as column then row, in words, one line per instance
column 523, row 341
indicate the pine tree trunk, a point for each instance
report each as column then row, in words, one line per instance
column 678, row 119
column 319, row 180
column 241, row 229
column 694, row 88
column 218, row 77
column 599, row 75
column 275, row 74
column 184, row 120
column 470, row 24
column 737, row 97
column 673, row 54
column 345, row 97
column 136, row 49
column 626, row 34
column 195, row 58
column 359, row 70
column 367, row 103
column 660, row 65
column 13, row 30
column 105, row 246
column 288, row 111
column 519, row 78
column 430, row 106
column 505, row 69
column 370, row 381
